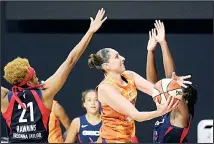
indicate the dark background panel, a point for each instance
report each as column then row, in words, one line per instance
column 178, row 26
column 116, row 10
column 189, row 39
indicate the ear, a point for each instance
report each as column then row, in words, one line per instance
column 106, row 66
column 84, row 105
column 29, row 83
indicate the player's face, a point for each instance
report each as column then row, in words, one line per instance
column 115, row 62
column 91, row 103
column 34, row 80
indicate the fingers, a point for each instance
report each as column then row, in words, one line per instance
column 187, row 82
column 150, row 35
column 175, row 105
column 168, row 100
column 186, row 77
column 159, row 25
column 156, row 101
column 100, row 14
column 162, row 25
column 104, row 19
column 171, row 102
column 91, row 19
column 154, row 32
column 183, row 85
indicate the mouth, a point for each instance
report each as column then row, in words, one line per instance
column 93, row 107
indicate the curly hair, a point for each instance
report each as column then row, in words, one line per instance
column 191, row 95
column 16, row 70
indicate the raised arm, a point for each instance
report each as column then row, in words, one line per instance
column 110, row 96
column 168, row 62
column 151, row 72
column 53, row 84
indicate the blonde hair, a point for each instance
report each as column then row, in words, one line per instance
column 16, row 70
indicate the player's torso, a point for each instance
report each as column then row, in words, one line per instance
column 55, row 131
column 27, row 125
column 116, row 126
column 88, row 133
column 164, row 131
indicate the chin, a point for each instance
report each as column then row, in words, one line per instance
column 123, row 70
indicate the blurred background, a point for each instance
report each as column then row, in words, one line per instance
column 45, row 32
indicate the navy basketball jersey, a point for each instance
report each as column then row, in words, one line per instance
column 29, row 125
column 88, row 133
column 164, row 132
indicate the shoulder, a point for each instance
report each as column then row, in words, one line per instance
column 129, row 73
column 76, row 121
column 106, row 88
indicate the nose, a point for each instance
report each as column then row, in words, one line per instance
column 122, row 58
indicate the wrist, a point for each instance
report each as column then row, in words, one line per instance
column 151, row 51
column 90, row 31
column 163, row 42
column 158, row 113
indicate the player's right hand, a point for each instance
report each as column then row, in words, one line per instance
column 152, row 41
column 166, row 106
column 98, row 21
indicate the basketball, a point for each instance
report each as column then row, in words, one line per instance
column 165, row 88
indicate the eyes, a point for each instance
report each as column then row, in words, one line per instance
column 89, row 100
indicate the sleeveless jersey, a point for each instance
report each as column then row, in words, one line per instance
column 29, row 125
column 116, row 126
column 88, row 133
column 164, row 132
column 55, row 131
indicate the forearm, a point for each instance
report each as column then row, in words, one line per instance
column 144, row 116
column 78, row 50
column 151, row 72
column 168, row 62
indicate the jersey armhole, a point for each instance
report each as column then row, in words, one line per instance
column 38, row 91
column 9, row 95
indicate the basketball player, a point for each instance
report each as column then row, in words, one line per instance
column 172, row 127
column 57, row 116
column 26, row 108
column 85, row 129
column 117, row 96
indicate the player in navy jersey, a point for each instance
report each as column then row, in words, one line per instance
column 85, row 129
column 26, row 108
column 172, row 127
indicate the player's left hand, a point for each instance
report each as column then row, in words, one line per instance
column 98, row 21
column 160, row 37
column 181, row 79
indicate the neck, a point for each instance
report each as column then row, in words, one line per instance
column 115, row 76
column 93, row 117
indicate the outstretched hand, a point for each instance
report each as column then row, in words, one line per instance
column 160, row 31
column 98, row 21
column 152, row 41
column 166, row 106
column 181, row 79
